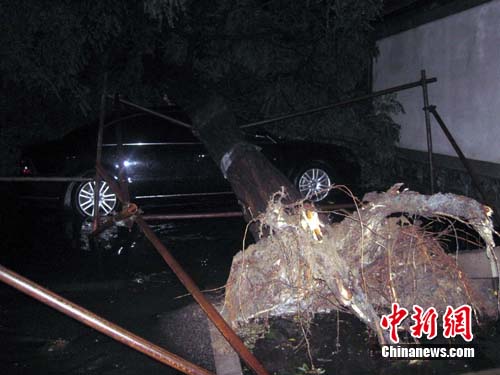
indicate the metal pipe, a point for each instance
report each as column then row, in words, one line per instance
column 475, row 180
column 428, row 129
column 185, row 195
column 45, row 179
column 342, row 103
column 96, row 322
column 122, row 175
column 215, row 215
column 112, row 183
column 208, row 215
column 152, row 112
column 97, row 185
column 127, row 213
column 190, row 285
column 296, row 114
column 209, row 309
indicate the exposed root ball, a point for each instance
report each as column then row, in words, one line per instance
column 361, row 265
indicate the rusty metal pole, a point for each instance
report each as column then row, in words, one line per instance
column 45, row 179
column 152, row 112
column 199, row 297
column 99, row 324
column 342, row 103
column 190, row 285
column 460, row 154
column 126, row 215
column 311, row 111
column 111, row 182
column 204, row 215
column 465, row 162
column 97, row 186
column 122, row 175
column 428, row 129
column 230, row 214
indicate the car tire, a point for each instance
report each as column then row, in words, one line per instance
column 83, row 199
column 314, row 179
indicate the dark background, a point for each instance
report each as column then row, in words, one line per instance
column 265, row 58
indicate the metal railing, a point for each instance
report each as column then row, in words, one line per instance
column 135, row 216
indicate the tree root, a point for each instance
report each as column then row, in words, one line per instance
column 378, row 255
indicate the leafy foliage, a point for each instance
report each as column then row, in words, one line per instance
column 266, row 58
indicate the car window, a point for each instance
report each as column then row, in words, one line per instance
column 149, row 129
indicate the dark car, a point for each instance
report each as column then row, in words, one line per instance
column 164, row 160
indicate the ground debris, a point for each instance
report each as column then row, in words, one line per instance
column 378, row 255
column 57, row 345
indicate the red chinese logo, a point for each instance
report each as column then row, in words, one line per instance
column 425, row 322
column 393, row 320
column 458, row 322
column 455, row 322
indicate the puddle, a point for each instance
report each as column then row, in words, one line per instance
column 48, row 246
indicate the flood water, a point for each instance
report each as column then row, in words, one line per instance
column 121, row 277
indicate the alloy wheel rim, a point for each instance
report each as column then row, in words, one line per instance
column 107, row 199
column 314, row 184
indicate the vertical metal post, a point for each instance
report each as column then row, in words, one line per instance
column 211, row 312
column 97, row 186
column 122, row 174
column 465, row 162
column 428, row 128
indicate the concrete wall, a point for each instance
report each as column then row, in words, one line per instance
column 463, row 52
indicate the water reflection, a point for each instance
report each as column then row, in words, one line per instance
column 117, row 240
column 58, row 247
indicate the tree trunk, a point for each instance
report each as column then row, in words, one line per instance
column 360, row 265
column 252, row 177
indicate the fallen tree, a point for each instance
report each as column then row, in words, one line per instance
column 303, row 265
column 252, row 177
column 376, row 256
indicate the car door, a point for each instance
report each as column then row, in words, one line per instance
column 164, row 159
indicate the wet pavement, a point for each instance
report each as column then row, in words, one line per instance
column 121, row 277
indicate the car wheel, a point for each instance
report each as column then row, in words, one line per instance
column 314, row 181
column 84, row 199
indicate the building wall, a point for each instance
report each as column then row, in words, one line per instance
column 463, row 52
